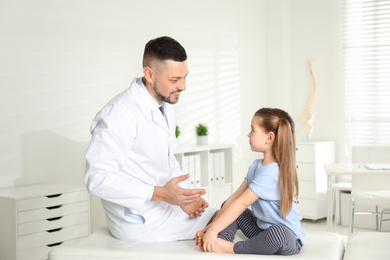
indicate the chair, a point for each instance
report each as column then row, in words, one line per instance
column 343, row 185
column 370, row 190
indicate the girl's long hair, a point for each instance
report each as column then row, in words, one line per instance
column 282, row 125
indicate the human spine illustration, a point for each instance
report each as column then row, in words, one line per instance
column 309, row 117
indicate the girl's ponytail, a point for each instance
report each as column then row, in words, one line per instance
column 284, row 149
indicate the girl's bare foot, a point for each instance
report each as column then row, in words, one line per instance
column 223, row 246
column 200, row 244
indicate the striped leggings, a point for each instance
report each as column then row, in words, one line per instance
column 277, row 239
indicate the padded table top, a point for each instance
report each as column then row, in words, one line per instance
column 102, row 245
column 368, row 245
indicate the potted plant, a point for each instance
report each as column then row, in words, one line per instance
column 177, row 132
column 201, row 134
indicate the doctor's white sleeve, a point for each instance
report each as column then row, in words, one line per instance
column 112, row 138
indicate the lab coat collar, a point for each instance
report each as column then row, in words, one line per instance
column 148, row 105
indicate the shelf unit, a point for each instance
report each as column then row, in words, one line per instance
column 34, row 219
column 210, row 167
column 310, row 158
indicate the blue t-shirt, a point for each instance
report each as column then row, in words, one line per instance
column 263, row 180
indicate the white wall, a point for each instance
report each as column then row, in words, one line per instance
column 61, row 61
column 300, row 30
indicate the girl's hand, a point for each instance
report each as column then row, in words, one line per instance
column 208, row 240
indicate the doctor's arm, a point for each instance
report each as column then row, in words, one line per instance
column 189, row 200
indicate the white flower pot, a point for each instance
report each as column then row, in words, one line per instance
column 201, row 140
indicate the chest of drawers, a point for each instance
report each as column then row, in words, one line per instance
column 34, row 219
column 310, row 158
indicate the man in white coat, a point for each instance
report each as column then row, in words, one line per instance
column 130, row 160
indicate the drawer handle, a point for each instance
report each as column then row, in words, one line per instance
column 53, row 219
column 53, row 196
column 55, row 244
column 53, row 230
column 54, row 207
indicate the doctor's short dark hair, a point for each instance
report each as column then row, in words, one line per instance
column 163, row 48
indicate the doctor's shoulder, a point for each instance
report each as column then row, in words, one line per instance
column 122, row 106
column 123, row 99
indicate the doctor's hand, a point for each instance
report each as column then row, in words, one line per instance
column 172, row 193
column 196, row 208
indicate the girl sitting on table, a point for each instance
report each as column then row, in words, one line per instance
column 273, row 225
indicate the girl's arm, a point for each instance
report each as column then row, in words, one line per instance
column 227, row 215
column 233, row 197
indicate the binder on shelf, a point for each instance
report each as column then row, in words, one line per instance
column 217, row 173
column 192, row 170
column 197, row 170
column 211, row 169
column 187, row 168
column 219, row 167
column 221, row 160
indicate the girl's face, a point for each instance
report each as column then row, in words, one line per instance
column 258, row 138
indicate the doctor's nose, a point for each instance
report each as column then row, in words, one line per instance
column 182, row 86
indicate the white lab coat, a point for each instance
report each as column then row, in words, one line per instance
column 131, row 151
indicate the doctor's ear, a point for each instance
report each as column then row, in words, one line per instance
column 148, row 74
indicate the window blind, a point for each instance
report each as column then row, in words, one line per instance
column 367, row 72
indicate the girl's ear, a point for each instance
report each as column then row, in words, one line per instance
column 270, row 138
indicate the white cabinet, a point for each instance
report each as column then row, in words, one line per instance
column 211, row 168
column 34, row 219
column 310, row 158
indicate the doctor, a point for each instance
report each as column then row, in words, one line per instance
column 130, row 160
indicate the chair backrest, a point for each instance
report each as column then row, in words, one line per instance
column 364, row 186
column 371, row 154
column 367, row 154
column 371, row 182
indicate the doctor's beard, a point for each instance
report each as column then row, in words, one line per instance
column 165, row 98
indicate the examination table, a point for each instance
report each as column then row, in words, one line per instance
column 102, row 245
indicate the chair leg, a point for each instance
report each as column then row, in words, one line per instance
column 352, row 215
column 337, row 208
column 377, row 217
column 380, row 223
column 385, row 211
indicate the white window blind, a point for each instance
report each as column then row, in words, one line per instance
column 367, row 71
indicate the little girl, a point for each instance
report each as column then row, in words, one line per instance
column 273, row 225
